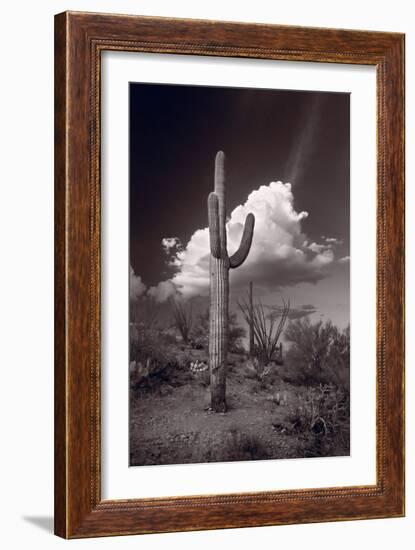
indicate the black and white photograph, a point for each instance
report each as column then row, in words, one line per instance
column 239, row 275
column 209, row 202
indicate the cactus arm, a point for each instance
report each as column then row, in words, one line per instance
column 213, row 215
column 240, row 255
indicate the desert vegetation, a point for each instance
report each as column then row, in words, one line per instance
column 265, row 331
column 291, row 404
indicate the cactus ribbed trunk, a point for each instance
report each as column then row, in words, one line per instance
column 220, row 263
column 218, row 338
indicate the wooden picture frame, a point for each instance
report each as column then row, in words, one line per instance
column 79, row 40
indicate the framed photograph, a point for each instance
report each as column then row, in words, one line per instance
column 229, row 275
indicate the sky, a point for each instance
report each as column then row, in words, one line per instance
column 287, row 161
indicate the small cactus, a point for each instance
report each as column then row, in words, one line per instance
column 220, row 263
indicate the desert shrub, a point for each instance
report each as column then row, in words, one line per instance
column 338, row 361
column 151, row 358
column 182, row 318
column 244, row 446
column 323, row 417
column 147, row 347
column 236, row 334
column 259, row 386
column 144, row 316
column 257, row 369
column 319, row 353
column 200, row 331
column 203, row 379
column 147, row 356
column 310, row 342
column 169, row 338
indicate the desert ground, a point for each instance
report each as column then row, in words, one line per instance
column 283, row 412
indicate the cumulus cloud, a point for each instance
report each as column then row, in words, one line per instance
column 344, row 260
column 171, row 244
column 163, row 291
column 281, row 255
column 137, row 287
column 317, row 248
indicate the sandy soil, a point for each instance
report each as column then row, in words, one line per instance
column 172, row 423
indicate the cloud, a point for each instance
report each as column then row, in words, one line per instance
column 137, row 287
column 171, row 244
column 280, row 256
column 295, row 312
column 344, row 260
column 299, row 313
column 308, row 307
column 163, row 291
column 332, row 240
column 317, row 248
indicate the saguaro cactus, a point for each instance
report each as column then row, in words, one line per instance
column 220, row 263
